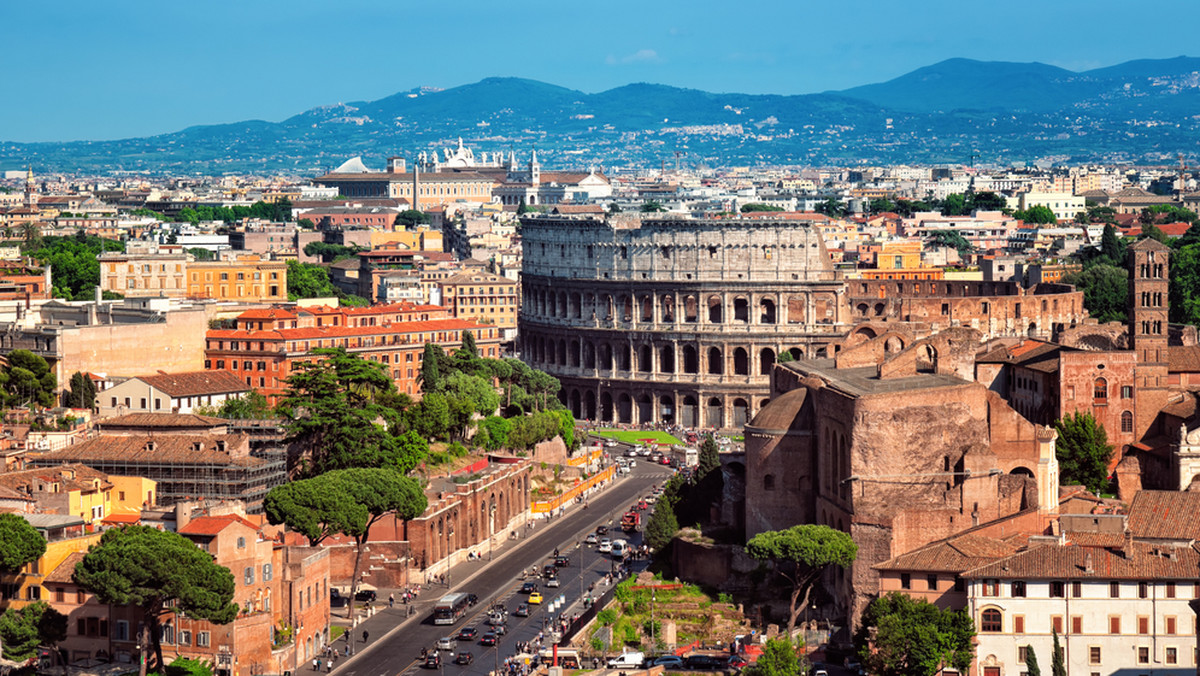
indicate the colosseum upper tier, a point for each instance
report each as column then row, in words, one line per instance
column 673, row 320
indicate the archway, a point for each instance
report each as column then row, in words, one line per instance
column 741, row 362
column 715, row 416
column 741, row 412
column 926, row 359
column 606, row 407
column 645, row 412
column 741, row 309
column 766, row 361
column 589, row 405
column 714, row 309
column 666, row 409
column 666, row 358
column 1022, row 471
column 667, row 303
column 574, row 354
column 689, row 412
column 576, row 404
column 715, row 362
column 645, row 362
column 624, row 408
column 766, row 311
column 691, row 360
column 623, row 358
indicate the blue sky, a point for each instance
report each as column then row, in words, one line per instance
column 103, row 70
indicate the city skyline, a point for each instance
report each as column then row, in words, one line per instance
column 148, row 69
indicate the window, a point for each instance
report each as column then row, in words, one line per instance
column 241, row 543
column 1114, row 590
column 992, row 621
column 1127, row 392
column 1171, row 656
column 991, row 587
column 185, row 637
column 267, row 572
column 1057, row 622
column 1143, row 625
column 1171, row 625
column 1114, row 624
column 1170, row 590
column 1100, row 391
column 769, row 482
column 1076, row 624
column 202, row 639
column 1022, row 654
column 1018, row 624
column 248, row 574
column 1076, row 589
column 1018, row 588
column 905, row 581
column 1094, row 654
column 932, row 582
column 1143, row 655
column 1143, row 590
column 1057, row 589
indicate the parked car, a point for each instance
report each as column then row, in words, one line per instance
column 627, row 660
column 467, row 634
column 553, row 582
column 668, row 661
column 336, row 600
column 464, row 657
column 704, row 662
column 447, row 643
column 488, row 639
column 367, row 595
column 522, row 610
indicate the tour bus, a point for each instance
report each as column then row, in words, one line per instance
column 568, row 658
column 451, row 608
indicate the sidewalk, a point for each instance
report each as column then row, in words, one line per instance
column 384, row 621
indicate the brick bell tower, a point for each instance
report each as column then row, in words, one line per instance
column 1148, row 329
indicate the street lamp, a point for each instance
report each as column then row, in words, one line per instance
column 653, row 633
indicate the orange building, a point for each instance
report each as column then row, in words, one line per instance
column 247, row 278
column 265, row 344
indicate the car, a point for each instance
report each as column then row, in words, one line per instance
column 367, row 595
column 631, row 453
column 447, row 643
column 535, row 599
column 820, row 672
column 601, row 530
column 522, row 610
column 500, row 630
column 472, row 599
column 467, row 634
column 553, row 582
column 651, row 499
column 665, row 460
column 336, row 600
column 668, row 661
column 633, row 463
column 591, row 539
column 605, row 546
column 627, row 660
column 464, row 657
column 642, row 505
column 529, row 588
column 704, row 662
column 497, row 619
column 562, row 561
column 432, row 660
column 488, row 639
column 736, row 662
column 498, row 608
column 610, row 443
column 549, row 570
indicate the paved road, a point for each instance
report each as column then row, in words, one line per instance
column 396, row 640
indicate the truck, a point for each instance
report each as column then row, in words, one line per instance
column 631, row 521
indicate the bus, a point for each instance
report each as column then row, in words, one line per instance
column 451, row 608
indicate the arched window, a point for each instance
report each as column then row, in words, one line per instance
column 1126, row 421
column 769, row 482
column 1101, row 391
column 992, row 621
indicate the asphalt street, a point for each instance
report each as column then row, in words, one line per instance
column 396, row 639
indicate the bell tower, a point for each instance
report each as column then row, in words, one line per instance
column 1148, row 328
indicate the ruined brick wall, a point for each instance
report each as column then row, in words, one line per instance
column 1084, row 376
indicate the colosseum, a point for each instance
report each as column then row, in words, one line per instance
column 680, row 321
column 672, row 320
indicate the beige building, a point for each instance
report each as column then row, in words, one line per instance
column 140, row 274
column 484, row 297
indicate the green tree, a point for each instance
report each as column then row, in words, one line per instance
column 988, row 201
column 76, row 268
column 955, row 204
column 1112, row 246
column 156, row 570
column 82, row 393
column 412, row 217
column 1083, row 451
column 252, row 406
column 831, row 207
column 1058, row 666
column 1184, row 290
column 1038, row 213
column 614, row 208
column 952, row 239
column 186, row 666
column 20, row 543
column 1105, row 291
column 662, row 527
column 27, row 380
column 710, row 456
column 345, row 501
column 332, row 412
column 652, row 207
column 430, row 417
column 758, row 206
column 1151, row 231
column 496, row 429
column 778, row 658
column 1031, row 663
column 800, row 554
column 903, row 636
column 433, row 361
column 23, row 631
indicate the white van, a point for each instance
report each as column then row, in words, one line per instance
column 619, row 549
column 627, row 660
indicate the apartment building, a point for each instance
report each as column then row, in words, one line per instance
column 483, row 297
column 246, row 277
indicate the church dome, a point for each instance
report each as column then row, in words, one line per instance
column 786, row 414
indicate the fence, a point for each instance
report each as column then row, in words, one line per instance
column 587, row 484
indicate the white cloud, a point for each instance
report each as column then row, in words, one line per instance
column 640, row 56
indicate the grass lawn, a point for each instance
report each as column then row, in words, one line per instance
column 637, row 437
column 336, row 631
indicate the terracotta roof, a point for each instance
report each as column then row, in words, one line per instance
column 319, row 332
column 196, row 383
column 1183, row 358
column 578, row 209
column 1084, row 539
column 162, row 420
column 65, row 571
column 1054, row 561
column 211, row 525
column 953, row 555
column 268, row 313
column 70, row 477
column 1167, row 515
column 172, row 448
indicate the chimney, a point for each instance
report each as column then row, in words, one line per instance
column 1127, row 547
column 1087, row 564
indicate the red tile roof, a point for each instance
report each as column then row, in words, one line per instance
column 196, row 383
column 1054, row 561
column 211, row 525
column 1167, row 515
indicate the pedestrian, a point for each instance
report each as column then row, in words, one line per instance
column 391, row 600
column 365, row 635
column 316, row 664
column 328, row 666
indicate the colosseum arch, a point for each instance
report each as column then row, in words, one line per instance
column 927, row 358
column 606, row 357
column 667, row 303
column 691, row 309
column 606, row 307
column 666, row 358
column 879, row 309
column 645, row 409
column 645, row 359
column 862, row 309
column 589, row 405
column 589, row 355
column 714, row 310
column 691, row 360
column 624, row 408
column 562, row 352
column 796, row 352
column 797, row 309
column 766, row 361
column 575, row 306
column 624, row 358
column 714, row 415
column 576, row 404
column 574, row 355
column 741, row 412
column 560, row 308
column 589, row 306
column 606, row 407
column 741, row 309
column 666, row 409
column 716, row 365
column 647, row 305
column 741, row 362
column 893, row 344
column 626, row 308
column 689, row 412
column 766, row 311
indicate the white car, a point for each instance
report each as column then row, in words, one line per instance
column 591, row 539
column 651, row 499
column 605, row 545
column 447, row 643
column 610, row 443
column 632, row 463
column 632, row 453
column 553, row 582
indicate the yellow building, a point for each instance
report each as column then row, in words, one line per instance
column 417, row 240
column 65, row 535
column 484, row 297
column 899, row 256
column 248, row 278
column 137, row 274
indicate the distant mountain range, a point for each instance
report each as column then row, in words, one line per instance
column 954, row 111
